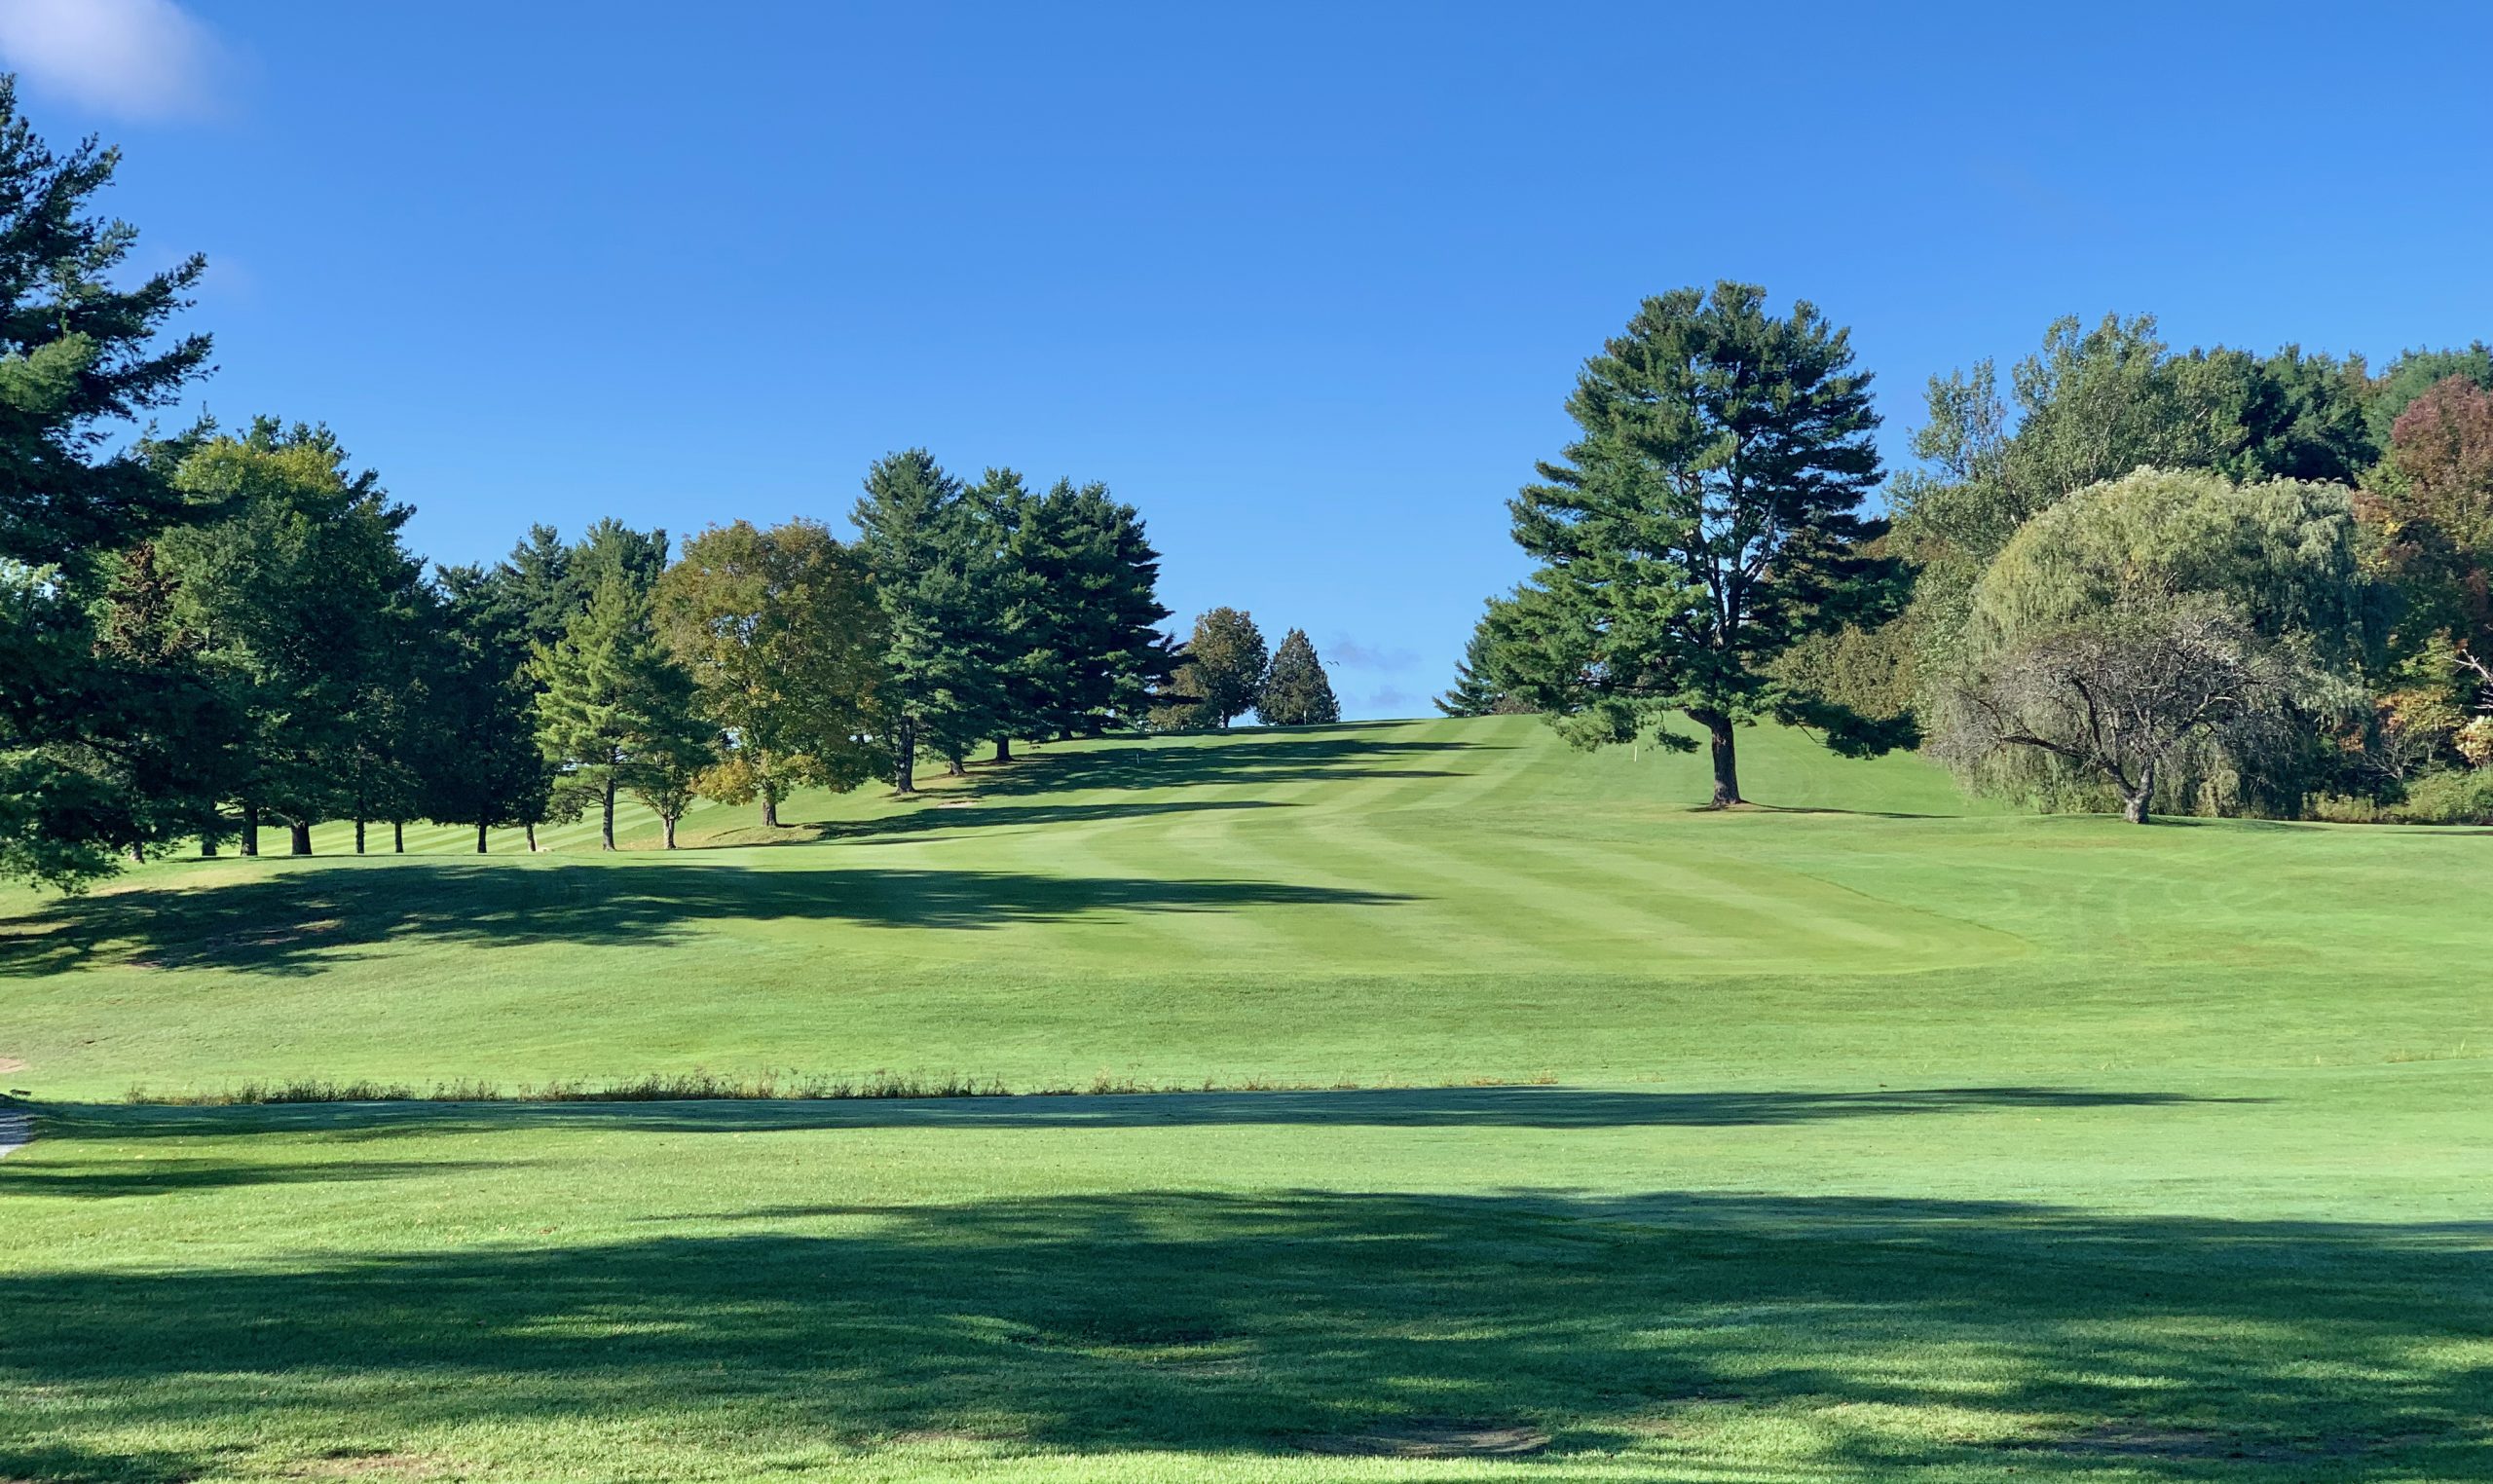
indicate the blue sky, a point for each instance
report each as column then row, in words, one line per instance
column 1307, row 283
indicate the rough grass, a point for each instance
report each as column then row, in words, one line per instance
column 1898, row 1140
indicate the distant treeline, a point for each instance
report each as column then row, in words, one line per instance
column 2210, row 581
column 206, row 632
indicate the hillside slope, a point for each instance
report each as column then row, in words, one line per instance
column 1428, row 901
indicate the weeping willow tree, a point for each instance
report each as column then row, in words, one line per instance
column 2168, row 640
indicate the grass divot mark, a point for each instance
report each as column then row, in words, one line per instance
column 1435, row 1438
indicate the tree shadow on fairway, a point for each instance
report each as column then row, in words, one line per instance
column 1338, row 754
column 939, row 815
column 86, row 1179
column 299, row 920
column 1860, row 1337
column 1486, row 1108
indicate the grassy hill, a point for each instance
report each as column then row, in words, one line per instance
column 1858, row 1133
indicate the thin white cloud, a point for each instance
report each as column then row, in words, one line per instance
column 130, row 59
column 1351, row 654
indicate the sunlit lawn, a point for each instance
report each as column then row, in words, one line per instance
column 1958, row 1144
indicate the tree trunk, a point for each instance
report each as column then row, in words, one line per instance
column 666, row 827
column 206, row 846
column 298, row 838
column 905, row 758
column 250, row 830
column 1003, row 749
column 770, row 815
column 398, row 837
column 137, row 855
column 1727, row 760
column 481, row 838
column 2134, row 806
column 952, row 768
column 606, row 834
column 531, row 837
column 358, row 836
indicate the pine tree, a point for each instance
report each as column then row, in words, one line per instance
column 1296, row 692
column 614, row 710
column 1017, row 548
column 1077, row 612
column 1706, row 519
column 1477, row 692
column 101, row 753
column 477, row 759
column 1115, row 657
column 926, row 552
column 307, row 603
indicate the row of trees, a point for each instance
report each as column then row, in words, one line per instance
column 755, row 662
column 207, row 632
column 2210, row 581
column 1225, row 671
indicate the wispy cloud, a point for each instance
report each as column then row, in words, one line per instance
column 1351, row 654
column 1390, row 701
column 131, row 59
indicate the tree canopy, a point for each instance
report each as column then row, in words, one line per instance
column 1706, row 518
column 1296, row 690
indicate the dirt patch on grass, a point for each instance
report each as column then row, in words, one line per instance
column 10, row 1065
column 1433, row 1438
column 2180, row 1445
column 368, row 1464
column 958, row 1437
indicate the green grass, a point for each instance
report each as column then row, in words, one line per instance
column 1887, row 1135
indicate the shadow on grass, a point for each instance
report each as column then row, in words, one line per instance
column 938, row 815
column 112, row 1179
column 299, row 920
column 1860, row 1338
column 1335, row 754
column 1488, row 1107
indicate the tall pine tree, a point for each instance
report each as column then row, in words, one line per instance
column 614, row 710
column 1705, row 519
column 925, row 551
column 1478, row 690
column 100, row 751
column 1296, row 692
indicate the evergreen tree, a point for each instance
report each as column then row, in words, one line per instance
column 535, row 582
column 1477, row 692
column 1296, row 692
column 1115, row 660
column 1077, row 610
column 611, row 548
column 614, row 711
column 305, row 603
column 101, row 750
column 780, row 631
column 1706, row 519
column 1017, row 544
column 478, row 762
column 922, row 547
column 674, row 752
column 1225, row 664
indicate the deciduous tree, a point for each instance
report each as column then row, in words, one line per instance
column 1224, row 665
column 2170, row 634
column 782, row 635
